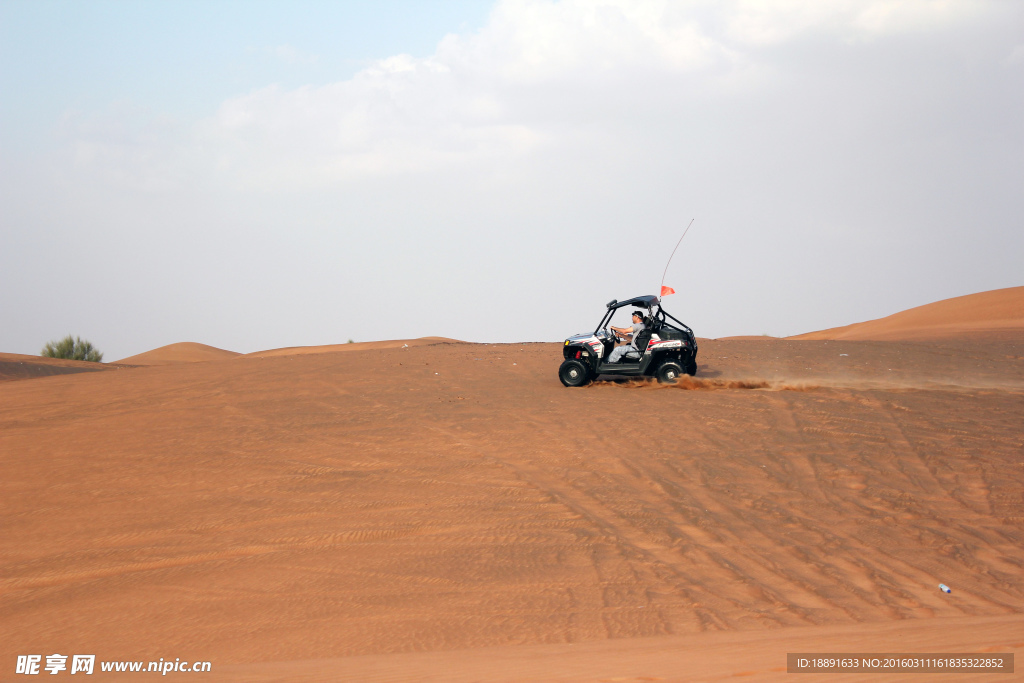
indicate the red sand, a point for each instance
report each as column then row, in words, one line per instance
column 450, row 512
column 998, row 313
column 354, row 346
column 710, row 656
column 20, row 366
column 182, row 352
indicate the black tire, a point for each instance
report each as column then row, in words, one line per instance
column 669, row 372
column 691, row 367
column 573, row 373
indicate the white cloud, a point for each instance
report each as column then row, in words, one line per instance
column 537, row 70
column 768, row 22
column 398, row 116
column 530, row 41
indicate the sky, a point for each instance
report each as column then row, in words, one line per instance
column 254, row 175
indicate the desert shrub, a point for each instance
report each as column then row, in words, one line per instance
column 72, row 348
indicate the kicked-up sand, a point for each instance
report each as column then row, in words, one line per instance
column 450, row 512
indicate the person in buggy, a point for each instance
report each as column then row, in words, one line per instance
column 629, row 350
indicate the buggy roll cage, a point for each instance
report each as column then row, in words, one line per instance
column 657, row 318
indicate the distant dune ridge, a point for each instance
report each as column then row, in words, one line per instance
column 192, row 352
column 20, row 366
column 996, row 313
column 182, row 352
column 355, row 346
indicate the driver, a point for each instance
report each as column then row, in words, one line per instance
column 628, row 350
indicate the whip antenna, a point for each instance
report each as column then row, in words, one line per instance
column 674, row 253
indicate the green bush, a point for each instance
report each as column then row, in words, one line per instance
column 72, row 348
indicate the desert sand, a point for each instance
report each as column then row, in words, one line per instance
column 450, row 512
column 351, row 346
column 21, row 366
column 998, row 314
column 182, row 352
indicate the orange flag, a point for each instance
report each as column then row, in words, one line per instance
column 665, row 291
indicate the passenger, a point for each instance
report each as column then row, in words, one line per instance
column 628, row 350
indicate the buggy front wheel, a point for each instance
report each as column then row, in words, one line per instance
column 573, row 373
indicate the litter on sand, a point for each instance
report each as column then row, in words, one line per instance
column 944, row 588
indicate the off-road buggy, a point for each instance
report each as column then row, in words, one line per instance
column 667, row 349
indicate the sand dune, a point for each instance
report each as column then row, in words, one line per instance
column 995, row 314
column 354, row 346
column 191, row 352
column 182, row 352
column 450, row 510
column 19, row 366
column 746, row 337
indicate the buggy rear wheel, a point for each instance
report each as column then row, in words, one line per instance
column 573, row 373
column 669, row 372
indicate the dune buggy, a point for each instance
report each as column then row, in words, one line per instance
column 666, row 348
